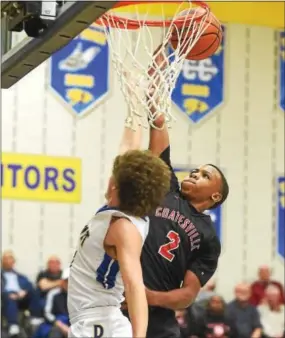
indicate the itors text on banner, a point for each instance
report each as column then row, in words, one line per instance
column 41, row 178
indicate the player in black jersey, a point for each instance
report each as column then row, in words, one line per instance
column 182, row 249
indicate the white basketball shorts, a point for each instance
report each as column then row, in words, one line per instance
column 105, row 322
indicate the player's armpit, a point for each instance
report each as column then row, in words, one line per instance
column 179, row 298
column 128, row 242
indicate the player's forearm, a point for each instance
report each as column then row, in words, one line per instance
column 159, row 138
column 175, row 300
column 131, row 138
column 137, row 308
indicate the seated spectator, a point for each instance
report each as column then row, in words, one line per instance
column 212, row 322
column 55, row 312
column 243, row 315
column 272, row 313
column 51, row 277
column 17, row 294
column 206, row 292
column 181, row 317
column 258, row 287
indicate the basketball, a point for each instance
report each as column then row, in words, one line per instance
column 209, row 41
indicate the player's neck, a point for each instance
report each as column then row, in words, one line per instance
column 199, row 206
column 112, row 200
column 113, row 203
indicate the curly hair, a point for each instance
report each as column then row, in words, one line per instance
column 142, row 180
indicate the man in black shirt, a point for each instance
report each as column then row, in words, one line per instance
column 56, row 323
column 182, row 249
column 49, row 278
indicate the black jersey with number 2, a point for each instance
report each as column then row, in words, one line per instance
column 180, row 239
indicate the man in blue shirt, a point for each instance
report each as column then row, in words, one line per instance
column 17, row 293
column 243, row 315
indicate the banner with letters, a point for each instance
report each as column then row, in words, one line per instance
column 215, row 214
column 282, row 72
column 79, row 74
column 40, row 178
column 199, row 89
column 281, row 215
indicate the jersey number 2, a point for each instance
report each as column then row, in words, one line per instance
column 166, row 249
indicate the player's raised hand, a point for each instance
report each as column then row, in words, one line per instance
column 160, row 60
column 156, row 72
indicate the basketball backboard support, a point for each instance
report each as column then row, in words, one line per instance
column 71, row 20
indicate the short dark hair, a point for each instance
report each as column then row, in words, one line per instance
column 224, row 187
column 142, row 180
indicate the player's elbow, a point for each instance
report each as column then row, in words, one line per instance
column 186, row 298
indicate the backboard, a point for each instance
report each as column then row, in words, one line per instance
column 22, row 56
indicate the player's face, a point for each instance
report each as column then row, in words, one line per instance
column 203, row 184
column 109, row 195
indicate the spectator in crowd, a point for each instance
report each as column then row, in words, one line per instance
column 17, row 294
column 258, row 287
column 182, row 319
column 55, row 312
column 51, row 277
column 243, row 315
column 272, row 313
column 206, row 292
column 212, row 322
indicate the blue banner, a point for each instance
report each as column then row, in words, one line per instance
column 199, row 88
column 215, row 214
column 281, row 215
column 282, row 71
column 80, row 71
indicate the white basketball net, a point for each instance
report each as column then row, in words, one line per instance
column 146, row 65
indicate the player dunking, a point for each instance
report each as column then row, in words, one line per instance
column 182, row 249
column 107, row 260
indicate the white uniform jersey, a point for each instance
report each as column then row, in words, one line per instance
column 95, row 279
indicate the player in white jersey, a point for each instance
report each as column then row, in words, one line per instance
column 107, row 260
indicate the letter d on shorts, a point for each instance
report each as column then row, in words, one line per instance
column 98, row 331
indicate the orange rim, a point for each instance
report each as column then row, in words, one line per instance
column 115, row 21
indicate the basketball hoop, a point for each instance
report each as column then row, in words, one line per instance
column 134, row 36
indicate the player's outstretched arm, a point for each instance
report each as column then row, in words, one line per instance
column 128, row 243
column 159, row 138
column 132, row 136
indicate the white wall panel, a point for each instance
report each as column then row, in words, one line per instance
column 31, row 100
column 261, row 104
column 232, row 122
